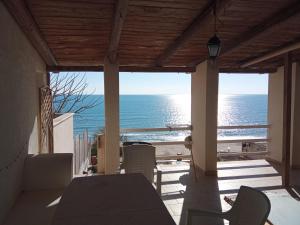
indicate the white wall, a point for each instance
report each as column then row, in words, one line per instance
column 22, row 72
column 275, row 114
column 63, row 141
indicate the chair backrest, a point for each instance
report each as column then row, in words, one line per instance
column 251, row 207
column 139, row 158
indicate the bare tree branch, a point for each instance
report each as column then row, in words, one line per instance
column 69, row 93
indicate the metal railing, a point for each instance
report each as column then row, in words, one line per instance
column 219, row 141
column 238, row 140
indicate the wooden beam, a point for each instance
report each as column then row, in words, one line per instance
column 56, row 69
column 273, row 20
column 119, row 18
column 121, row 69
column 152, row 69
column 267, row 24
column 23, row 17
column 156, row 69
column 203, row 18
column 276, row 52
column 246, row 70
column 286, row 142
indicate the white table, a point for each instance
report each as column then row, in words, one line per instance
column 127, row 199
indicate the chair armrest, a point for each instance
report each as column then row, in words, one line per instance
column 195, row 212
column 47, row 171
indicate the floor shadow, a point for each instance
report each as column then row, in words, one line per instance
column 181, row 192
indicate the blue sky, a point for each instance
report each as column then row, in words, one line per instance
column 179, row 83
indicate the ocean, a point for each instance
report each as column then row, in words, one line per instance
column 151, row 111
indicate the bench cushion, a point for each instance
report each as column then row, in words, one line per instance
column 34, row 208
column 47, row 171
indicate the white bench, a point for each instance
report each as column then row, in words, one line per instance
column 44, row 178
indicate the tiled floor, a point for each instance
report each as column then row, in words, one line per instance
column 180, row 191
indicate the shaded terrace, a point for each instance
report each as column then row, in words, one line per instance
column 260, row 36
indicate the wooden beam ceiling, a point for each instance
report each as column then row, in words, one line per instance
column 121, row 69
column 275, row 19
column 155, row 69
column 274, row 53
column 119, row 18
column 246, row 70
column 204, row 17
column 254, row 32
column 23, row 17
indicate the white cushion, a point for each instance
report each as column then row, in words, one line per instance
column 34, row 208
column 47, row 171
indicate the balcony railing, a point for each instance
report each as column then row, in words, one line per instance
column 219, row 141
column 82, row 152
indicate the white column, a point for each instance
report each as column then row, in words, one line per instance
column 275, row 115
column 204, row 103
column 295, row 135
column 112, row 124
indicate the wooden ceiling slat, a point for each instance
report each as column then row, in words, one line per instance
column 274, row 53
column 78, row 31
column 275, row 19
column 196, row 24
column 187, row 4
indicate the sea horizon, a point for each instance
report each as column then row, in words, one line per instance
column 151, row 111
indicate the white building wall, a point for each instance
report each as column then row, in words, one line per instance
column 63, row 141
column 22, row 72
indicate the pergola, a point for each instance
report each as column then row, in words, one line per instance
column 257, row 36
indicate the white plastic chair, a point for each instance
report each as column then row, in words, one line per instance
column 251, row 207
column 140, row 158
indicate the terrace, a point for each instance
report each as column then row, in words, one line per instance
column 180, row 191
column 41, row 36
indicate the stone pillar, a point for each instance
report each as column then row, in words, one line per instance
column 112, row 124
column 275, row 115
column 295, row 134
column 204, row 110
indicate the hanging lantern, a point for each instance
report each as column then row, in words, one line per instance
column 214, row 43
column 214, row 47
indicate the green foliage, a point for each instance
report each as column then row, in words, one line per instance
column 94, row 149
